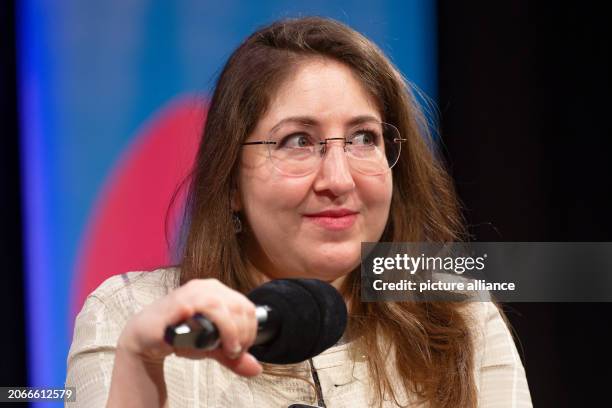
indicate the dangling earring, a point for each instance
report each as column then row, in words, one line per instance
column 237, row 223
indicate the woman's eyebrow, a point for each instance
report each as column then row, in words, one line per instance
column 306, row 120
column 357, row 120
column 309, row 120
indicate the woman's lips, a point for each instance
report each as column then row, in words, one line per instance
column 333, row 220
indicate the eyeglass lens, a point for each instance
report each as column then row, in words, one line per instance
column 371, row 147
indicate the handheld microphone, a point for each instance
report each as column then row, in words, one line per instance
column 297, row 319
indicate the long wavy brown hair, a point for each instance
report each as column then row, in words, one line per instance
column 432, row 341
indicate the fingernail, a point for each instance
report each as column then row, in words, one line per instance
column 234, row 353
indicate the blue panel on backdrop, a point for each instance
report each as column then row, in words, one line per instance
column 91, row 73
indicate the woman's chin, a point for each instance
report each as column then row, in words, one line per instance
column 332, row 269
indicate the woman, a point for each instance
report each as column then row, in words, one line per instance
column 300, row 163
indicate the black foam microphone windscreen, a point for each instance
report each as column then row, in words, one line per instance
column 312, row 317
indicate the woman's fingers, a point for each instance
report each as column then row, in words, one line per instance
column 230, row 311
column 245, row 364
column 251, row 323
column 228, row 327
column 242, row 311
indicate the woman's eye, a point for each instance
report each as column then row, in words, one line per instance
column 295, row 140
column 364, row 138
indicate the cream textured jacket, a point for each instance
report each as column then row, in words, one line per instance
column 499, row 374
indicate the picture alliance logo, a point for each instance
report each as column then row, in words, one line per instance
column 413, row 264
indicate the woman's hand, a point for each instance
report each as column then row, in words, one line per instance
column 232, row 313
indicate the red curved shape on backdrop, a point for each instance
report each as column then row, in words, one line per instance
column 126, row 231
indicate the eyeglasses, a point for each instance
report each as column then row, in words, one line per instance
column 297, row 149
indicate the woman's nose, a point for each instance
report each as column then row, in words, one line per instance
column 335, row 172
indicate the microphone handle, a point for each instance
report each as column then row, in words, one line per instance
column 199, row 332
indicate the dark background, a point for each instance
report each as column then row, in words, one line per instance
column 524, row 99
column 12, row 316
column 524, row 90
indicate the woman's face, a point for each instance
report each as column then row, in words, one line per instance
column 312, row 225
